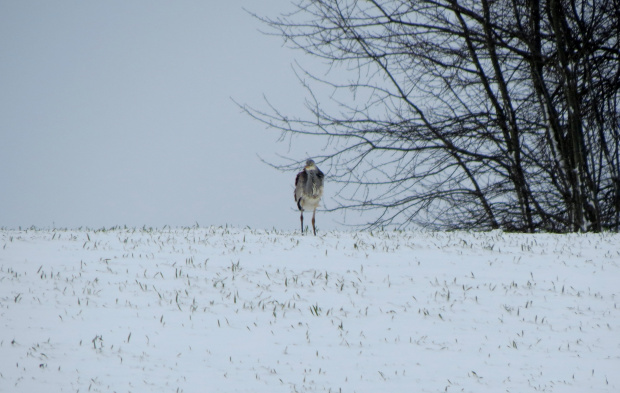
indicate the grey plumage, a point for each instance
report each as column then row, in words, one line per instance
column 308, row 191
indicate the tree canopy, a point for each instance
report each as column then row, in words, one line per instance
column 466, row 114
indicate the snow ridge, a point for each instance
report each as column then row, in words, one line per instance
column 242, row 310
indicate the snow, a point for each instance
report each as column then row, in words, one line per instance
column 243, row 310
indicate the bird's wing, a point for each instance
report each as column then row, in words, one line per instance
column 320, row 175
column 319, row 183
column 300, row 180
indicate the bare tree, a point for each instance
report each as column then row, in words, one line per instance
column 476, row 114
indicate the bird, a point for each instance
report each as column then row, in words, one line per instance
column 308, row 191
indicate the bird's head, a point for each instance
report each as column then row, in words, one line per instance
column 310, row 165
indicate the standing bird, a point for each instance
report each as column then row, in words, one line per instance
column 308, row 191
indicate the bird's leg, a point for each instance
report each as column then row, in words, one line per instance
column 313, row 227
column 301, row 217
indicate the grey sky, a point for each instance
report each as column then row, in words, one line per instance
column 119, row 113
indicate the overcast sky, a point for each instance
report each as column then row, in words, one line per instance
column 120, row 113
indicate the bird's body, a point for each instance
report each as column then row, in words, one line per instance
column 308, row 191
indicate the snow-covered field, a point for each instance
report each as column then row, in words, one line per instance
column 242, row 310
